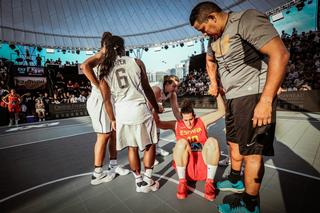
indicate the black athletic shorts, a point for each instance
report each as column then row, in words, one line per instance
column 239, row 114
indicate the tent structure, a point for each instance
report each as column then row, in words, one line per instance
column 80, row 23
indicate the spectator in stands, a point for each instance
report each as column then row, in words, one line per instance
column 250, row 91
column 40, row 109
column 82, row 98
column 56, row 99
column 38, row 59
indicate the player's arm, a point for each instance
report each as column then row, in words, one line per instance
column 164, row 124
column 175, row 106
column 88, row 65
column 157, row 92
column 214, row 116
column 5, row 98
column 146, row 86
column 106, row 94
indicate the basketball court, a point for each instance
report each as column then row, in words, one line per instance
column 46, row 167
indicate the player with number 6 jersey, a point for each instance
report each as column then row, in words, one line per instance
column 125, row 79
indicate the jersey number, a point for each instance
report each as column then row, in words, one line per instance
column 193, row 139
column 122, row 78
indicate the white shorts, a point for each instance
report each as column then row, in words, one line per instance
column 99, row 118
column 136, row 135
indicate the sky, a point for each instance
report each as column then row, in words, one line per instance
column 168, row 58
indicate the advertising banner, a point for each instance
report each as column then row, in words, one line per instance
column 30, row 83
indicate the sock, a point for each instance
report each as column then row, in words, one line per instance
column 250, row 200
column 98, row 169
column 181, row 170
column 138, row 178
column 113, row 163
column 147, row 176
column 211, row 171
column 234, row 176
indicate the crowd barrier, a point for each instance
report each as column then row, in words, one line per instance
column 305, row 101
column 67, row 110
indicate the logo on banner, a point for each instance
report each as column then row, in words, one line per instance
column 30, row 83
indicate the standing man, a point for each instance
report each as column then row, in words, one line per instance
column 241, row 42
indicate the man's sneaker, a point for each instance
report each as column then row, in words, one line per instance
column 227, row 185
column 117, row 170
column 236, row 206
column 102, row 177
column 224, row 162
column 156, row 162
column 161, row 152
column 209, row 190
column 145, row 187
column 182, row 192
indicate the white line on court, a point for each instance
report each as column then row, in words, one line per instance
column 273, row 167
column 85, row 174
column 49, row 139
column 42, row 127
column 164, row 139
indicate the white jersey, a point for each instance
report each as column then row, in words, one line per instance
column 130, row 102
column 95, row 91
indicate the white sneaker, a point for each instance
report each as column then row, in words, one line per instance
column 118, row 170
column 156, row 162
column 145, row 187
column 161, row 152
column 98, row 178
column 224, row 162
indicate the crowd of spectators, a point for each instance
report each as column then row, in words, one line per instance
column 303, row 70
column 59, row 62
column 195, row 83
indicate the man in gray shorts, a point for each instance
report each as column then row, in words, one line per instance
column 241, row 41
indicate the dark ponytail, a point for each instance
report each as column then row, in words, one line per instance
column 114, row 47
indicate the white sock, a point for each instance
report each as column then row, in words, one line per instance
column 147, row 176
column 181, row 170
column 211, row 171
column 138, row 177
column 98, row 170
column 113, row 163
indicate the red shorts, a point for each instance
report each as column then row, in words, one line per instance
column 15, row 108
column 196, row 168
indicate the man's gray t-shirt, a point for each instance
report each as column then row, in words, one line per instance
column 242, row 68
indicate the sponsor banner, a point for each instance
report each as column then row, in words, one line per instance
column 29, row 71
column 302, row 101
column 35, row 71
column 307, row 101
column 67, row 110
column 30, row 83
column 21, row 70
